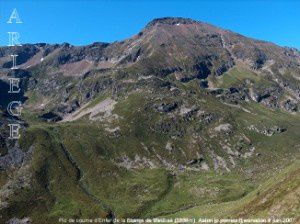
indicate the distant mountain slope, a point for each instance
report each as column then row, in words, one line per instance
column 180, row 117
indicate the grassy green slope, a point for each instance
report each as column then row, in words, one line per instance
column 75, row 172
column 276, row 197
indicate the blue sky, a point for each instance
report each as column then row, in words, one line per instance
column 81, row 22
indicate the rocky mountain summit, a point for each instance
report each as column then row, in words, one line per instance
column 183, row 114
column 168, row 48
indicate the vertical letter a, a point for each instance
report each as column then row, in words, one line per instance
column 14, row 15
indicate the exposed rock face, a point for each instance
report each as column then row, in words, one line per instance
column 50, row 117
column 290, row 105
column 267, row 131
column 225, row 128
column 13, row 158
column 19, row 221
column 166, row 107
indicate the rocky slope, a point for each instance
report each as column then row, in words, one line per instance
column 181, row 115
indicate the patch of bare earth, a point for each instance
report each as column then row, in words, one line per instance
column 101, row 111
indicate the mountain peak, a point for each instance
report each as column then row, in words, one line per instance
column 171, row 21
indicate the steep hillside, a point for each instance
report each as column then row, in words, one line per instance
column 179, row 120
